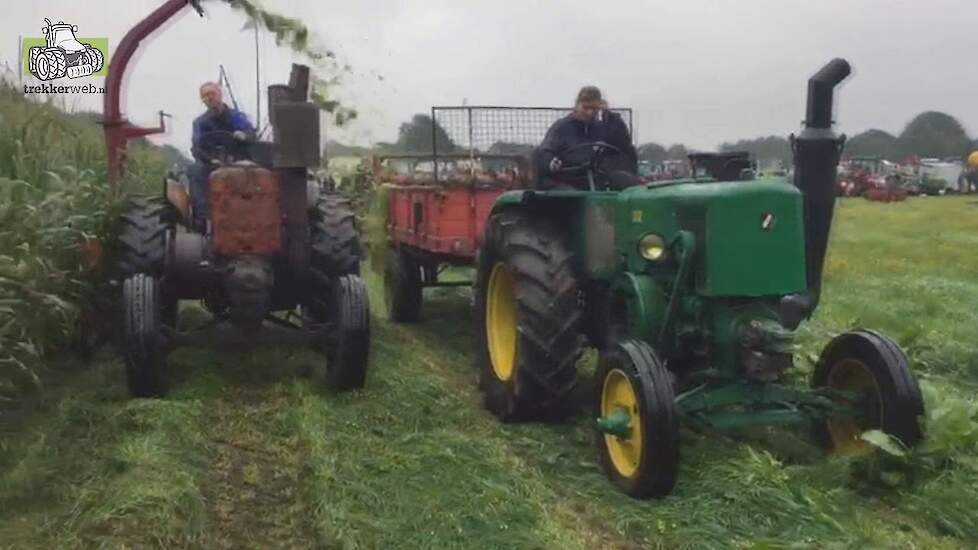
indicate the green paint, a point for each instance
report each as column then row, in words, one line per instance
column 617, row 424
column 733, row 249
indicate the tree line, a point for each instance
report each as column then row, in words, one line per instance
column 929, row 134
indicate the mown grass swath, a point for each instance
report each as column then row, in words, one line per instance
column 55, row 206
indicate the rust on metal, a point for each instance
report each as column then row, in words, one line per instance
column 245, row 211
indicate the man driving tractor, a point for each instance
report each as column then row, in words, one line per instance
column 566, row 144
column 220, row 131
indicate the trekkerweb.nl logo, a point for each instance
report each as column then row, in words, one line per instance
column 59, row 54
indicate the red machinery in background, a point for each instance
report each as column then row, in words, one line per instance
column 118, row 129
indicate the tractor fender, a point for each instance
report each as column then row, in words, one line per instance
column 550, row 204
column 509, row 199
column 645, row 302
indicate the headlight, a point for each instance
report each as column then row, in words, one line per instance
column 652, row 247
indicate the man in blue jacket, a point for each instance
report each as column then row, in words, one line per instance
column 220, row 130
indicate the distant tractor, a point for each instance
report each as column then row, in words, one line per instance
column 692, row 291
column 63, row 54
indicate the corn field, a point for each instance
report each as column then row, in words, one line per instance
column 55, row 212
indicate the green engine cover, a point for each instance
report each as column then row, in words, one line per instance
column 749, row 235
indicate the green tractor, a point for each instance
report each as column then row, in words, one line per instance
column 692, row 291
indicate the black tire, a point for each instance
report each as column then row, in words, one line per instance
column 147, row 225
column 872, row 364
column 334, row 251
column 51, row 64
column 95, row 57
column 540, row 354
column 402, row 287
column 145, row 362
column 654, row 455
column 347, row 355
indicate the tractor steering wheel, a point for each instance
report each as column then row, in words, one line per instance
column 217, row 145
column 597, row 152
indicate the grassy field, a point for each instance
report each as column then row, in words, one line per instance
column 248, row 452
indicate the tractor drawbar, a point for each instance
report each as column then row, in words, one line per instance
column 816, row 157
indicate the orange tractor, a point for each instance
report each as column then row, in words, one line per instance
column 277, row 261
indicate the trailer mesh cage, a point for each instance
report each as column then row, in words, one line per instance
column 478, row 145
column 498, row 130
column 488, row 136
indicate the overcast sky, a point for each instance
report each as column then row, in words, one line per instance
column 695, row 71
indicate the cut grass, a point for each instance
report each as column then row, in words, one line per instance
column 91, row 465
column 413, row 461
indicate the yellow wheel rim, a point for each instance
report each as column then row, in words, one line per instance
column 625, row 452
column 501, row 322
column 854, row 376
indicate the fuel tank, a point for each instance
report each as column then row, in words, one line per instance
column 246, row 215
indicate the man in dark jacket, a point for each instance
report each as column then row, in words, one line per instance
column 220, row 127
column 563, row 144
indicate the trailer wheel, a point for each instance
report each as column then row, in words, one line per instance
column 402, row 287
column 144, row 350
column 643, row 459
column 348, row 352
column 334, row 251
column 530, row 322
column 874, row 367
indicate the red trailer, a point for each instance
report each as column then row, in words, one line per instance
column 433, row 224
column 437, row 205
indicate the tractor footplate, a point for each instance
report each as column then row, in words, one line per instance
column 738, row 403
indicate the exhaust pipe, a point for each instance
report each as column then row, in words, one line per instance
column 816, row 158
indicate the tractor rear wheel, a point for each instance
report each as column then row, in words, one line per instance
column 530, row 322
column 402, row 287
column 348, row 352
column 147, row 225
column 144, row 348
column 335, row 251
column 642, row 456
column 873, row 367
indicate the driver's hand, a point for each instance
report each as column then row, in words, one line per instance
column 240, row 135
column 555, row 164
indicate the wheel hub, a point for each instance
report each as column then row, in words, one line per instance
column 619, row 402
column 854, row 376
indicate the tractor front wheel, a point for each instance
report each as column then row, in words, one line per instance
column 348, row 350
column 874, row 369
column 144, row 345
column 147, row 226
column 402, row 287
column 530, row 322
column 638, row 436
